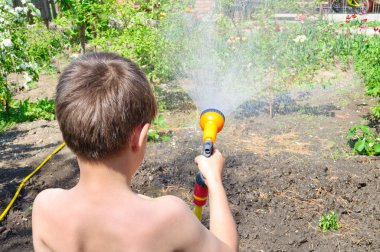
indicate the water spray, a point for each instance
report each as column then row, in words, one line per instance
column 211, row 122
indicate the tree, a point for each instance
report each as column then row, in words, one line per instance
column 47, row 9
column 13, row 42
column 87, row 17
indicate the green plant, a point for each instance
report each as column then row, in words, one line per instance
column 44, row 44
column 23, row 111
column 329, row 221
column 14, row 54
column 85, row 19
column 155, row 134
column 366, row 142
column 367, row 65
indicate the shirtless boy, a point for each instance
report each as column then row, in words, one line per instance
column 104, row 106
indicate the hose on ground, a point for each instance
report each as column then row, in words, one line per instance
column 4, row 213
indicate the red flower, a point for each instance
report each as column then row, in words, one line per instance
column 347, row 20
column 301, row 18
column 353, row 16
column 364, row 20
column 348, row 17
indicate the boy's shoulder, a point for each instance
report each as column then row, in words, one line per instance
column 176, row 223
column 169, row 209
column 173, row 205
column 48, row 198
column 171, row 199
column 49, row 194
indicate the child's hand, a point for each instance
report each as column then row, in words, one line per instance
column 211, row 167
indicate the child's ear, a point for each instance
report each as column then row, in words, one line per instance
column 139, row 136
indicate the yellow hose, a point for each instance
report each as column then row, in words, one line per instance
column 26, row 179
column 198, row 212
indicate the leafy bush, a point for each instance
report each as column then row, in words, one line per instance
column 14, row 54
column 44, row 44
column 367, row 65
column 23, row 111
column 365, row 51
column 128, row 28
column 365, row 141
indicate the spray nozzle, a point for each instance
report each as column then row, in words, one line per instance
column 207, row 148
column 211, row 122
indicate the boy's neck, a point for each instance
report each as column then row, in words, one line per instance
column 107, row 175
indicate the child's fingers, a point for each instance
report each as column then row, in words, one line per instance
column 197, row 158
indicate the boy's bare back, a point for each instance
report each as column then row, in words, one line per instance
column 67, row 221
column 104, row 106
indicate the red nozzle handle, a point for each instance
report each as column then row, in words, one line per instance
column 200, row 191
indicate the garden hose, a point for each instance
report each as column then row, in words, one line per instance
column 4, row 213
column 211, row 122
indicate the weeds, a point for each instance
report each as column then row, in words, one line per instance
column 155, row 134
column 365, row 142
column 329, row 221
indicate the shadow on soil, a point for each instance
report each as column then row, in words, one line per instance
column 19, row 151
column 373, row 122
column 15, row 244
column 284, row 105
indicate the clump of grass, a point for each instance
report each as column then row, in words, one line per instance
column 329, row 221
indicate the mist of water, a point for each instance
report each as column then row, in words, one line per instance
column 215, row 68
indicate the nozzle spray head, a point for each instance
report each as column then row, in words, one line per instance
column 211, row 122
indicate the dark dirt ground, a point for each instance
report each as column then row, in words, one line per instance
column 281, row 173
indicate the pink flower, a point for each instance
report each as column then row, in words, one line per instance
column 301, row 18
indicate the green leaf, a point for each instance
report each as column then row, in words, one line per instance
column 360, row 145
column 376, row 148
column 351, row 132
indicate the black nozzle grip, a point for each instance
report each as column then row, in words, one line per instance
column 207, row 148
column 207, row 152
column 200, row 179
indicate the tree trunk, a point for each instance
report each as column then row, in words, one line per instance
column 45, row 12
column 16, row 3
column 271, row 109
column 53, row 8
column 7, row 109
column 82, row 37
column 94, row 30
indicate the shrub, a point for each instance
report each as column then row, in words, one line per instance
column 23, row 111
column 365, row 141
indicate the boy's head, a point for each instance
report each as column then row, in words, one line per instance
column 101, row 98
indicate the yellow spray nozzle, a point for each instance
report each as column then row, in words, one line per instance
column 211, row 122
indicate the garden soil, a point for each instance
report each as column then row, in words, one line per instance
column 282, row 172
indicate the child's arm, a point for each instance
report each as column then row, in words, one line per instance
column 222, row 224
column 186, row 233
column 38, row 214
